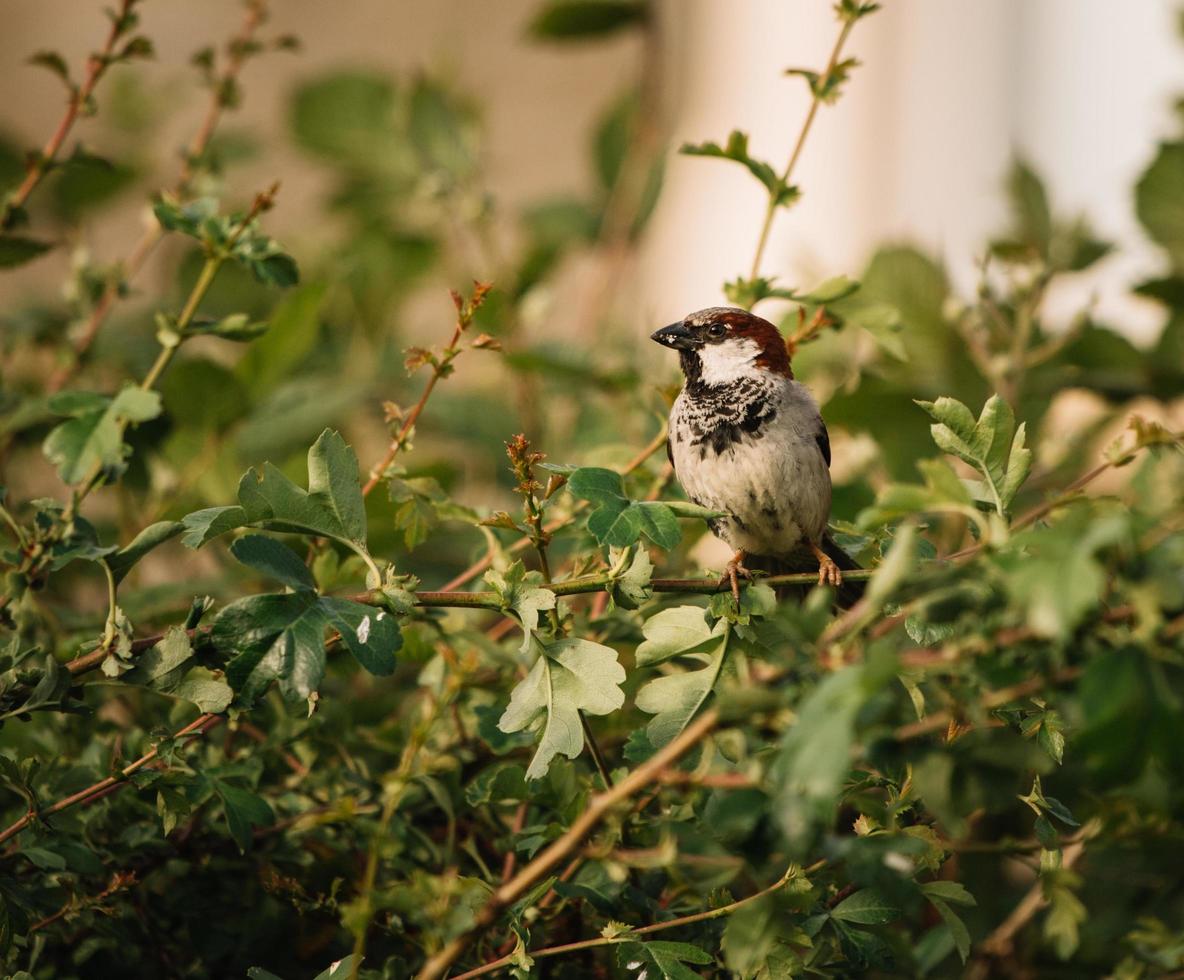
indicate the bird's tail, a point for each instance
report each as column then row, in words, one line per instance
column 803, row 561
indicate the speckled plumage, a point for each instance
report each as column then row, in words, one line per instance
column 745, row 437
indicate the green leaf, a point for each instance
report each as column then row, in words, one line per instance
column 631, row 587
column 1159, row 201
column 736, row 149
column 674, row 699
column 521, row 592
column 371, row 635
column 243, row 810
column 93, row 438
column 618, row 521
column 570, row 675
column 332, row 506
column 866, row 907
column 52, row 61
column 577, row 20
column 273, row 559
column 151, row 537
column 992, row 445
column 17, row 250
column 672, row 632
column 666, row 958
column 954, row 923
column 282, row 638
column 831, row 291
column 204, row 525
column 1031, row 214
column 294, row 329
column 948, row 891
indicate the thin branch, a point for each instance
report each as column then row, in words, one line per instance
column 940, row 720
column 791, row 873
column 440, row 367
column 237, row 49
column 815, row 102
column 198, row 727
column 999, row 943
column 523, row 544
column 563, row 847
column 96, row 65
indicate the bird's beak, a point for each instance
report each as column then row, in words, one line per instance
column 676, row 336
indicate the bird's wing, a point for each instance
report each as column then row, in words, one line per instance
column 823, row 440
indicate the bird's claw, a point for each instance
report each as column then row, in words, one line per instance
column 733, row 572
column 828, row 572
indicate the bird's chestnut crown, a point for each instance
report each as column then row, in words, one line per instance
column 723, row 341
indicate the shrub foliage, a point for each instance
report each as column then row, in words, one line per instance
column 471, row 704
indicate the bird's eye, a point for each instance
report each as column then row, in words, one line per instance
column 716, row 330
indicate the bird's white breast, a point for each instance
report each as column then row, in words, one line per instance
column 774, row 483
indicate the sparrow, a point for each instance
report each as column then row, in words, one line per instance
column 748, row 440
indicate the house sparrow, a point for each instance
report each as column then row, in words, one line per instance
column 747, row 439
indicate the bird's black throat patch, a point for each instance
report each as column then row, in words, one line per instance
column 719, row 416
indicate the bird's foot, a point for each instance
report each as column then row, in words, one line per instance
column 828, row 572
column 733, row 572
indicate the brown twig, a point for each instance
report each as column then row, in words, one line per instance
column 523, row 544
column 598, row 807
column 940, row 720
column 198, row 727
column 237, row 49
column 464, row 318
column 686, row 920
column 999, row 943
column 96, row 65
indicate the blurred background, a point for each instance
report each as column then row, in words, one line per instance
column 947, row 95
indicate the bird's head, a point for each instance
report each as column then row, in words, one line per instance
column 723, row 344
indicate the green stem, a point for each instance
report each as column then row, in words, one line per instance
column 17, row 530
column 109, row 628
column 815, row 102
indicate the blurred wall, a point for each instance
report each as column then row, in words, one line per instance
column 919, row 146
column 917, row 150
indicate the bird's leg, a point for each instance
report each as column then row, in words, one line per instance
column 828, row 571
column 733, row 572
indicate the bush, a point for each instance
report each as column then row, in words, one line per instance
column 594, row 762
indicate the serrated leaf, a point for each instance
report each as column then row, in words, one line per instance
column 991, row 444
column 866, row 907
column 204, row 525
column 948, row 891
column 570, row 675
column 736, row 149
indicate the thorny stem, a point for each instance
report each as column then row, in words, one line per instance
column 563, row 846
column 237, row 49
column 793, row 872
column 815, row 102
column 96, row 66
